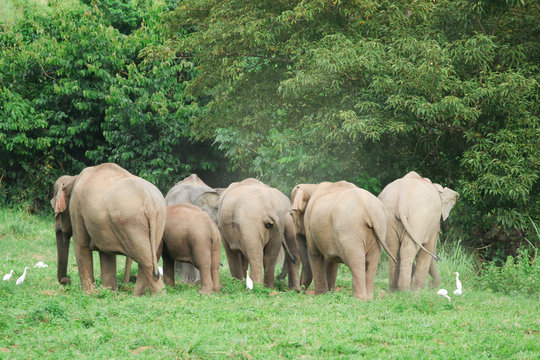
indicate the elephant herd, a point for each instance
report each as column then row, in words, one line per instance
column 107, row 209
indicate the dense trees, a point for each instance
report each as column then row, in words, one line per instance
column 75, row 91
column 367, row 90
column 290, row 91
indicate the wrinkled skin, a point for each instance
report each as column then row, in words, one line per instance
column 340, row 223
column 191, row 236
column 251, row 218
column 415, row 207
column 192, row 190
column 109, row 210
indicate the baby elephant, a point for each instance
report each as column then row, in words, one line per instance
column 191, row 236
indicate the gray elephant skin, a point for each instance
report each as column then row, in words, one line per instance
column 339, row 223
column 107, row 209
column 191, row 236
column 192, row 190
column 415, row 207
column 251, row 219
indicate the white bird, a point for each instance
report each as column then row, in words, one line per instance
column 8, row 276
column 41, row 264
column 20, row 280
column 458, row 285
column 249, row 282
column 160, row 269
column 443, row 292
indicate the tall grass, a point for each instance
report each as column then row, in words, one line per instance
column 41, row 318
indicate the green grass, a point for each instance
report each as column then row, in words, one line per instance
column 41, row 318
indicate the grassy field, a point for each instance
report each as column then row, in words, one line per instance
column 41, row 318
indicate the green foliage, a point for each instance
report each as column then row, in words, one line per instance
column 367, row 90
column 75, row 91
column 516, row 276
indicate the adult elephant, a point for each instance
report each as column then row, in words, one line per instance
column 251, row 218
column 415, row 206
column 340, row 223
column 192, row 190
column 107, row 209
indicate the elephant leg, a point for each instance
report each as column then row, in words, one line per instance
column 108, row 270
column 214, row 268
column 235, row 261
column 203, row 260
column 127, row 270
column 318, row 267
column 357, row 264
column 331, row 274
column 307, row 276
column 255, row 256
column 423, row 262
column 84, row 258
column 293, row 273
column 284, row 269
column 435, row 278
column 168, row 266
column 245, row 264
column 392, row 242
column 372, row 261
column 407, row 253
column 271, row 253
column 191, row 273
column 146, row 280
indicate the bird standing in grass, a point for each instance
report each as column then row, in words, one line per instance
column 458, row 285
column 8, row 276
column 20, row 280
column 249, row 282
column 41, row 264
column 443, row 292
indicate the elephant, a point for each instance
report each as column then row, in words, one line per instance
column 191, row 236
column 192, row 190
column 414, row 206
column 289, row 268
column 340, row 223
column 251, row 219
column 107, row 209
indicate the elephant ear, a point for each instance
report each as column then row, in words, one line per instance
column 60, row 205
column 448, row 200
column 208, row 201
column 298, row 204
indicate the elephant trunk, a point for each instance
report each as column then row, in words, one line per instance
column 62, row 251
column 281, row 229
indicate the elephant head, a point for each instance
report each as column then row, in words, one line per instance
column 448, row 196
column 300, row 196
column 208, row 201
column 62, row 224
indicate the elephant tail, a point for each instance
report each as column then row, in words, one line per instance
column 403, row 219
column 153, row 238
column 269, row 222
column 381, row 236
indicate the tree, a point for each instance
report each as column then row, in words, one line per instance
column 367, row 90
column 75, row 91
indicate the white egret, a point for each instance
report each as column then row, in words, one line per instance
column 249, row 282
column 443, row 292
column 160, row 269
column 20, row 280
column 8, row 276
column 458, row 285
column 41, row 264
